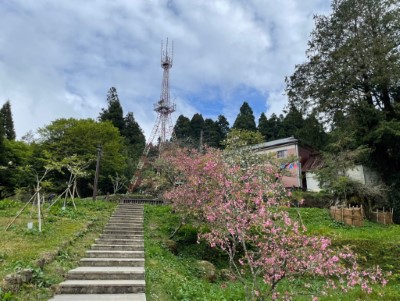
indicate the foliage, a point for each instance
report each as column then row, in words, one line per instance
column 351, row 79
column 119, row 182
column 188, row 131
column 196, row 128
column 240, row 138
column 239, row 197
column 7, row 121
column 114, row 111
column 245, row 119
column 173, row 276
column 182, row 128
column 69, row 137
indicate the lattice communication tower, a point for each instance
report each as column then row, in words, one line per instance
column 163, row 129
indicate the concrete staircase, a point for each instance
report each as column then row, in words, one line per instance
column 113, row 268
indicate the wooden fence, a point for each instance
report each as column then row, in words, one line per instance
column 382, row 217
column 350, row 216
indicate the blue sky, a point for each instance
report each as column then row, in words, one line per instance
column 59, row 58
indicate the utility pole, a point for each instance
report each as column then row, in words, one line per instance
column 96, row 177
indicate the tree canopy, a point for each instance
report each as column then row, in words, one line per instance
column 245, row 119
column 351, row 79
column 114, row 112
column 7, row 121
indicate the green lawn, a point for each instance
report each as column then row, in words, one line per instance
column 173, row 271
column 65, row 235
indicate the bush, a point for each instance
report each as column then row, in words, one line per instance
column 312, row 199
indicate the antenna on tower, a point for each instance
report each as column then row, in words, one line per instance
column 163, row 128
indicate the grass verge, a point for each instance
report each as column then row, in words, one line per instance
column 65, row 236
column 174, row 272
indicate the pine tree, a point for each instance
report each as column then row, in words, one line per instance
column 7, row 121
column 114, row 111
column 2, row 147
column 245, row 119
column 182, row 128
column 210, row 133
column 273, row 127
column 222, row 128
column 196, row 127
column 292, row 122
column 263, row 125
column 133, row 134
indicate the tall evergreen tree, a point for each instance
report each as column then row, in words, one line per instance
column 292, row 122
column 273, row 128
column 263, row 125
column 7, row 121
column 210, row 133
column 222, row 128
column 2, row 147
column 133, row 134
column 182, row 128
column 196, row 127
column 114, row 111
column 245, row 119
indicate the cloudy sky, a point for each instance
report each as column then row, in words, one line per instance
column 58, row 58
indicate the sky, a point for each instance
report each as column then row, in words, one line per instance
column 59, row 58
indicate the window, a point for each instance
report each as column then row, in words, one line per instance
column 281, row 153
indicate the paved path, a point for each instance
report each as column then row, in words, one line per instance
column 113, row 268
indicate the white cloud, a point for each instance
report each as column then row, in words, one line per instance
column 59, row 58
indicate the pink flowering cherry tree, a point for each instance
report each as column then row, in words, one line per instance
column 240, row 197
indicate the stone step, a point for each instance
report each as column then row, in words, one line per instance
column 112, row 262
column 124, row 224
column 121, row 236
column 102, row 286
column 100, row 297
column 104, row 273
column 123, row 232
column 105, row 241
column 125, row 220
column 124, row 228
column 131, row 247
column 136, row 227
column 114, row 254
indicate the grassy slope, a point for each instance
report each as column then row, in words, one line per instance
column 177, row 276
column 65, row 233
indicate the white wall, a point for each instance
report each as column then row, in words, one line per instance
column 312, row 182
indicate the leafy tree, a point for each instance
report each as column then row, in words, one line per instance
column 235, row 195
column 240, row 138
column 114, row 111
column 68, row 137
column 351, row 78
column 182, row 128
column 312, row 133
column 7, row 121
column 245, row 119
column 353, row 59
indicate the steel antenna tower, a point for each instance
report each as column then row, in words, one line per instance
column 163, row 128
